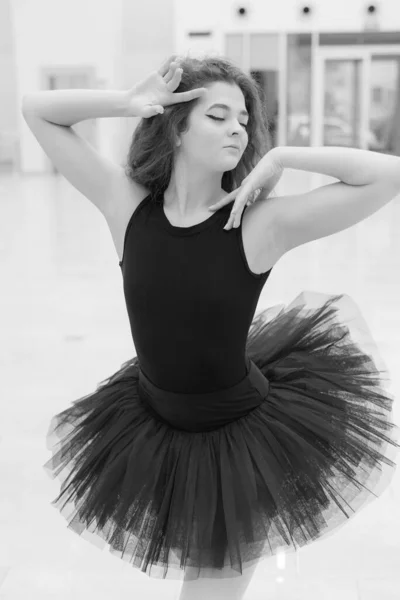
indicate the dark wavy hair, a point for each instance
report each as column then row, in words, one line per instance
column 151, row 154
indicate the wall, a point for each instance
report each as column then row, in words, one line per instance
column 125, row 39
column 117, row 37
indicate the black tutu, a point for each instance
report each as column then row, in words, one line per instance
column 221, row 480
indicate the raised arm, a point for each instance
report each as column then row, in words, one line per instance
column 368, row 181
column 50, row 116
column 67, row 107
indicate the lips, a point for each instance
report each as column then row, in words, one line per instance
column 232, row 146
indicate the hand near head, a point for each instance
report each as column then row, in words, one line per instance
column 148, row 97
column 263, row 177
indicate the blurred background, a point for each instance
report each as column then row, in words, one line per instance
column 331, row 76
column 330, row 70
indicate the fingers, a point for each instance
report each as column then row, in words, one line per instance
column 197, row 92
column 165, row 67
column 172, row 73
column 237, row 210
column 151, row 110
column 173, row 76
column 189, row 95
column 234, row 217
column 221, row 203
column 228, row 198
column 176, row 77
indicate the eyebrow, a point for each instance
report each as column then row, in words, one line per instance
column 242, row 112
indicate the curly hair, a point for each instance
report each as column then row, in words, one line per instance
column 151, row 153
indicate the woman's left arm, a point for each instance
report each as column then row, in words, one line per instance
column 368, row 181
column 350, row 165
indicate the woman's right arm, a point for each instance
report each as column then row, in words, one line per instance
column 50, row 116
column 67, row 107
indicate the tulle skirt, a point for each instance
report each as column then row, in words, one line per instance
column 219, row 481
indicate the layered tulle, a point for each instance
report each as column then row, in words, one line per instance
column 321, row 445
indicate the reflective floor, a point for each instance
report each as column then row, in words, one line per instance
column 64, row 328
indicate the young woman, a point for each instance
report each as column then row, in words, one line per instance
column 226, row 437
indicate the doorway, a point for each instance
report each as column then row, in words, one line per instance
column 356, row 98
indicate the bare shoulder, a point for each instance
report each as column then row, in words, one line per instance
column 262, row 240
column 127, row 195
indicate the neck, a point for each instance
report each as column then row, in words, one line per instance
column 189, row 196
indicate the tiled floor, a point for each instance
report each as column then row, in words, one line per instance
column 64, row 328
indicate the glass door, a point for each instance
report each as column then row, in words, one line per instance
column 384, row 113
column 357, row 98
column 341, row 107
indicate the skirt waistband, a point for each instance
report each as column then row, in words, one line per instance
column 206, row 411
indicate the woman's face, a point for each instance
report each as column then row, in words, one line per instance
column 212, row 128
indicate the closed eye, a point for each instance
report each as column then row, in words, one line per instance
column 219, row 119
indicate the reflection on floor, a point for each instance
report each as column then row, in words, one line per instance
column 64, row 328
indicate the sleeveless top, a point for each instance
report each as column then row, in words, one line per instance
column 190, row 297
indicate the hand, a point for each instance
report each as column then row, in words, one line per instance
column 148, row 97
column 264, row 176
